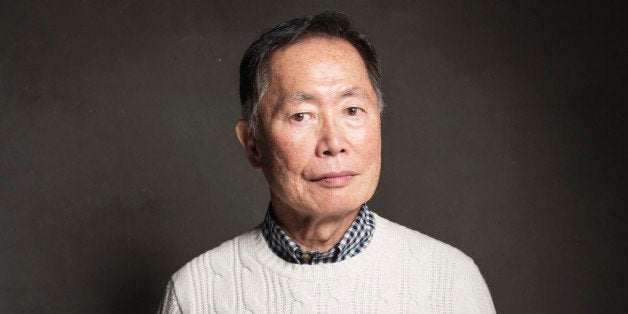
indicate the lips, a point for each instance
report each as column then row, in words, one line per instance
column 335, row 179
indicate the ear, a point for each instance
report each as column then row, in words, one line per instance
column 249, row 143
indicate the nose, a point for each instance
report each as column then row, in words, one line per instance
column 331, row 140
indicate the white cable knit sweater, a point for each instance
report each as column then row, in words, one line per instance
column 400, row 271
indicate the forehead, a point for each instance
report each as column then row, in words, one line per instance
column 316, row 60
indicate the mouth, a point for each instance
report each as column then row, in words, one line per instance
column 335, row 179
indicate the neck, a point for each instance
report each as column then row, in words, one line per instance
column 313, row 232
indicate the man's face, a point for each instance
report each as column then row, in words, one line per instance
column 319, row 143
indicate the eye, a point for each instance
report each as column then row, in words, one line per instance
column 299, row 117
column 352, row 111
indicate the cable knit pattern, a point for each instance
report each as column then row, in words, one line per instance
column 400, row 271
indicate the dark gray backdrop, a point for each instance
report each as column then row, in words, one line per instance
column 118, row 162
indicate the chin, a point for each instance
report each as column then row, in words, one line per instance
column 338, row 206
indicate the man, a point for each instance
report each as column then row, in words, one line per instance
column 311, row 103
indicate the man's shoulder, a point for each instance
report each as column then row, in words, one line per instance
column 216, row 260
column 443, row 271
column 189, row 286
column 418, row 244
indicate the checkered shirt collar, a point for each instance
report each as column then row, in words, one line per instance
column 354, row 241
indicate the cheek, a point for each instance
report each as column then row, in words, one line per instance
column 289, row 154
column 374, row 154
column 368, row 143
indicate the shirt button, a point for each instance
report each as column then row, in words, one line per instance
column 306, row 257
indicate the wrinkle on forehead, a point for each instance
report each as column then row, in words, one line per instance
column 317, row 63
column 299, row 54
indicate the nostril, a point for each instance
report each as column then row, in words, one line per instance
column 330, row 153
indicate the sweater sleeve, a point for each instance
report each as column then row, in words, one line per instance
column 473, row 295
column 169, row 304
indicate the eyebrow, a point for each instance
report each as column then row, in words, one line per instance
column 354, row 91
column 301, row 96
column 298, row 96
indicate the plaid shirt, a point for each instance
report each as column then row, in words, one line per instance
column 354, row 241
